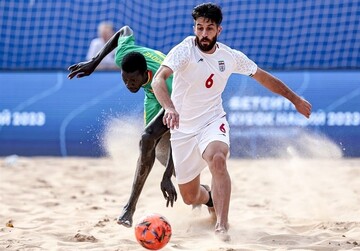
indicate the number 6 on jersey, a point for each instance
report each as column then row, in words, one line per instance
column 209, row 82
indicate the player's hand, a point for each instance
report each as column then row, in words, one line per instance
column 168, row 191
column 171, row 118
column 303, row 107
column 82, row 69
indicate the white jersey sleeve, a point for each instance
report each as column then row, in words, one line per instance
column 243, row 65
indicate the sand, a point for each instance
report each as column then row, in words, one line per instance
column 54, row 203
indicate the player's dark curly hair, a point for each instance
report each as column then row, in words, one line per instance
column 208, row 10
column 134, row 61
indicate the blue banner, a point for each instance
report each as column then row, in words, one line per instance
column 44, row 113
column 265, row 124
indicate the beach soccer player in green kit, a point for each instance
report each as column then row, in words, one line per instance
column 138, row 65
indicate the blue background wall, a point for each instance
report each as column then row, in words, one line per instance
column 314, row 46
column 44, row 113
column 280, row 34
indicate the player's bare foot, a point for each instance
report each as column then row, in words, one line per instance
column 223, row 235
column 125, row 223
column 125, row 219
column 221, row 232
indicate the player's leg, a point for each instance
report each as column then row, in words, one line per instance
column 215, row 147
column 151, row 134
column 193, row 193
column 216, row 155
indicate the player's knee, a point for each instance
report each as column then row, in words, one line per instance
column 219, row 163
column 147, row 140
column 219, row 158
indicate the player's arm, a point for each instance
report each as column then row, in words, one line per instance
column 86, row 68
column 166, row 185
column 171, row 117
column 155, row 130
column 277, row 86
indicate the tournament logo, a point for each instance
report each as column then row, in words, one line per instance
column 221, row 65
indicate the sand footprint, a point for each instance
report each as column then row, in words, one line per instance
column 102, row 223
column 84, row 238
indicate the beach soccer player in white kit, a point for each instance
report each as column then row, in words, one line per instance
column 201, row 67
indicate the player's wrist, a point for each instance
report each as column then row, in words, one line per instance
column 168, row 107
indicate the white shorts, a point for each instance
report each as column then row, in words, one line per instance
column 187, row 149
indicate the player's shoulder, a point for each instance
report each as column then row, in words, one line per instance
column 184, row 47
column 227, row 49
column 188, row 41
column 126, row 40
column 224, row 47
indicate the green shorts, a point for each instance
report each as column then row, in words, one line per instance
column 151, row 109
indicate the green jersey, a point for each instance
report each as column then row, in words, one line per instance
column 153, row 60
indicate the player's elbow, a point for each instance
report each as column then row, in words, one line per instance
column 161, row 76
column 155, row 83
column 125, row 31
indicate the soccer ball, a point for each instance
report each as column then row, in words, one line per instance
column 153, row 231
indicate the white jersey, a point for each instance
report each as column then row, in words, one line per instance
column 199, row 80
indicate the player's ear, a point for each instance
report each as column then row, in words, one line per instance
column 219, row 29
column 146, row 74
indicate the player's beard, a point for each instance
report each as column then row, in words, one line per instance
column 208, row 47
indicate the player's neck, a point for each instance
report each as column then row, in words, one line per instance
column 213, row 49
column 149, row 77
